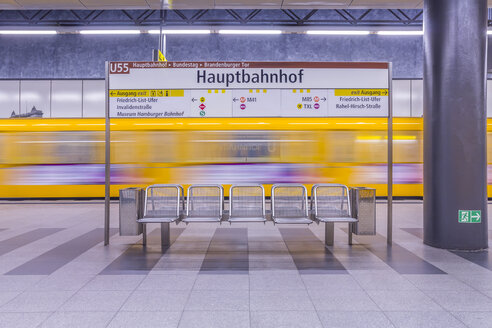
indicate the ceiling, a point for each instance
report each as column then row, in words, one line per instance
column 210, row 4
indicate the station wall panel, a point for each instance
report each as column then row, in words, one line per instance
column 85, row 98
column 9, row 98
column 417, row 108
column 93, row 98
column 401, row 98
column 66, row 98
column 35, row 94
column 489, row 98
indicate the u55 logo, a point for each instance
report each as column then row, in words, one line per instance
column 119, row 68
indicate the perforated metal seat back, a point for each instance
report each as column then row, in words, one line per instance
column 204, row 201
column 332, row 201
column 162, row 201
column 289, row 201
column 247, row 201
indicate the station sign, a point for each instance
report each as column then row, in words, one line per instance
column 248, row 89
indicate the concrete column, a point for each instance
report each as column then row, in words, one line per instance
column 455, row 152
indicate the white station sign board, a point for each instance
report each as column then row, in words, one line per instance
column 248, row 89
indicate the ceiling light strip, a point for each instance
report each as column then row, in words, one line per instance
column 336, row 32
column 180, row 31
column 249, row 32
column 28, row 32
column 94, row 32
column 400, row 32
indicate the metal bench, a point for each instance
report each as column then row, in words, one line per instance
column 205, row 203
column 164, row 204
column 330, row 203
column 247, row 203
column 290, row 204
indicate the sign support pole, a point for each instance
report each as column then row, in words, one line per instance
column 389, row 232
column 107, row 163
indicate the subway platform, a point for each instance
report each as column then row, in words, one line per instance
column 56, row 272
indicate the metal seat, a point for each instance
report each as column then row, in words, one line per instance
column 290, row 204
column 205, row 203
column 330, row 203
column 164, row 203
column 247, row 203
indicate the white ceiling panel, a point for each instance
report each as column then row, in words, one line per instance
column 248, row 4
column 315, row 4
column 187, row 4
column 51, row 4
column 399, row 4
column 209, row 4
column 154, row 4
column 9, row 4
column 115, row 4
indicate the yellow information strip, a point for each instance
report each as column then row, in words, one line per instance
column 360, row 92
column 146, row 93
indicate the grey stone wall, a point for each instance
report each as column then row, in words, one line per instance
column 83, row 56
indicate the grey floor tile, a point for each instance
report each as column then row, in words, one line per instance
column 340, row 300
column 156, row 300
column 216, row 319
column 18, row 283
column 22, row 320
column 285, row 319
column 88, row 301
column 268, row 265
column 55, row 258
column 330, row 282
column 461, row 300
column 432, row 319
column 114, row 282
column 78, row 320
column 6, row 297
column 145, row 320
column 381, row 280
column 168, row 282
column 477, row 281
column 276, row 281
column 403, row 300
column 211, row 281
column 475, row 319
column 280, row 300
column 62, row 282
column 344, row 319
column 37, row 301
column 221, row 300
column 436, row 282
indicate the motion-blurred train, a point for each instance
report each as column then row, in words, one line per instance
column 64, row 158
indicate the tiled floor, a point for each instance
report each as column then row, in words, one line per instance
column 55, row 272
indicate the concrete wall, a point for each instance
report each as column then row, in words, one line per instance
column 82, row 56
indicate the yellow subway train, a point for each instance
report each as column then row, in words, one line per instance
column 64, row 158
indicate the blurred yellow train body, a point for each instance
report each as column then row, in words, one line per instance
column 58, row 158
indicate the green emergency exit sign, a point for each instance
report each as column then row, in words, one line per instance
column 469, row 216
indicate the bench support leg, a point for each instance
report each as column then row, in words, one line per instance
column 165, row 235
column 329, row 233
column 144, row 232
column 350, row 226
